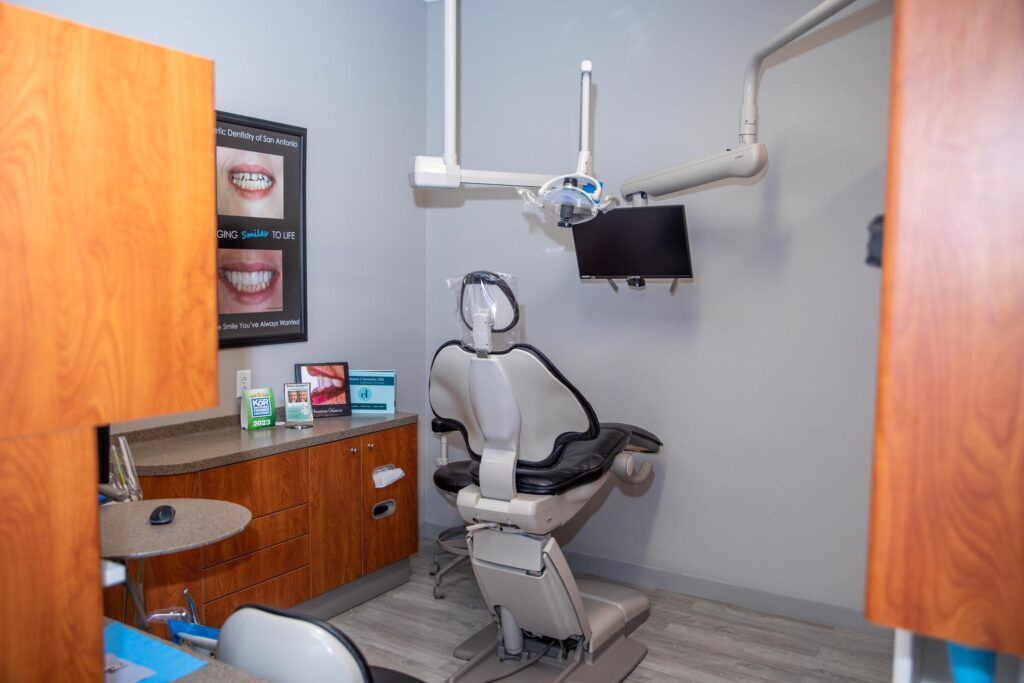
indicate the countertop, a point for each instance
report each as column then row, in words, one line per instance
column 205, row 444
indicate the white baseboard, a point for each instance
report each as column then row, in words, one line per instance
column 749, row 598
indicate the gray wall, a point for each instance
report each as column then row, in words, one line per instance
column 759, row 375
column 352, row 73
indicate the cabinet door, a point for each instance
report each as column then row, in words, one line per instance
column 335, row 520
column 390, row 519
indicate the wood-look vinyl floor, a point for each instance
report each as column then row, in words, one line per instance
column 690, row 640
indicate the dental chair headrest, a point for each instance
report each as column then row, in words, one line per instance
column 485, row 289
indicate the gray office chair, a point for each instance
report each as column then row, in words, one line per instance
column 538, row 455
column 288, row 647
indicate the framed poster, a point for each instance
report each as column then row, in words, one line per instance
column 329, row 390
column 261, row 231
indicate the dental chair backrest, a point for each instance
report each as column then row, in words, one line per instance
column 286, row 647
column 520, row 379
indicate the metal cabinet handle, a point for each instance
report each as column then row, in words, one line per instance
column 353, row 450
column 371, row 446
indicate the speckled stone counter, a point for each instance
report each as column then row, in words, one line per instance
column 125, row 531
column 205, row 444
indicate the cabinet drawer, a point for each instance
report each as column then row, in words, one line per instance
column 283, row 591
column 264, row 485
column 262, row 532
column 250, row 570
column 394, row 535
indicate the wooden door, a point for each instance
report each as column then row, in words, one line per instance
column 335, row 505
column 393, row 536
column 50, row 607
column 107, row 302
column 946, row 555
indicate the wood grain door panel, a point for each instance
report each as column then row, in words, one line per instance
column 282, row 591
column 264, row 485
column 335, row 514
column 107, row 220
column 50, row 602
column 389, row 539
column 946, row 551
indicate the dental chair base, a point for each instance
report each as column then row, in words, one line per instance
column 586, row 623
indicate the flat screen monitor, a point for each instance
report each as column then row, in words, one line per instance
column 648, row 241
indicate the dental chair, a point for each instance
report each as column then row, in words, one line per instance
column 288, row 647
column 538, row 454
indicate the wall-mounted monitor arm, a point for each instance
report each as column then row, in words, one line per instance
column 749, row 157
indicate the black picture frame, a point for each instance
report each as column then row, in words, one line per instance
column 331, row 409
column 253, row 318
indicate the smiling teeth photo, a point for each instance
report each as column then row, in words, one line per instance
column 251, row 181
column 254, row 281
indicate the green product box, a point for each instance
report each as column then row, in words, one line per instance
column 258, row 409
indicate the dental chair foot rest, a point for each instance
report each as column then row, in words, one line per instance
column 612, row 665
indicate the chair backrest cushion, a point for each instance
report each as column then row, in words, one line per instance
column 287, row 647
column 553, row 411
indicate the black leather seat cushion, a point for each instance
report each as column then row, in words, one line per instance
column 453, row 477
column 581, row 463
column 381, row 675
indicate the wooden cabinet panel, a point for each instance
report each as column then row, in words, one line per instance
column 393, row 537
column 946, row 551
column 265, row 485
column 283, row 591
column 262, row 532
column 335, row 519
column 107, row 220
column 49, row 576
column 248, row 570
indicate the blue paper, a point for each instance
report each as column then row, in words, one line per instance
column 170, row 663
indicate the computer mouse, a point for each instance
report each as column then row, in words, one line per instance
column 162, row 514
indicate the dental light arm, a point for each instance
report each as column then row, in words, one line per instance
column 444, row 171
column 750, row 156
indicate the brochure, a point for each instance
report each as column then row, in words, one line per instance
column 298, row 409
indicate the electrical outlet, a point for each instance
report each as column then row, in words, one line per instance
column 243, row 382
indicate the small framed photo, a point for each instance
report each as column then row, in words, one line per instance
column 328, row 387
column 298, row 407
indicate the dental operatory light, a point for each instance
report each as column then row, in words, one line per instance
column 574, row 198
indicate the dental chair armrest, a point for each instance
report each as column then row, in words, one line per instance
column 439, row 426
column 640, row 439
column 625, row 468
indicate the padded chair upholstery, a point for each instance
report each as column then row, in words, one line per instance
column 561, row 446
column 565, row 416
column 284, row 646
column 582, row 461
column 454, row 476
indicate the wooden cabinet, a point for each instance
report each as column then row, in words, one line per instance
column 389, row 515
column 335, row 521
column 313, row 527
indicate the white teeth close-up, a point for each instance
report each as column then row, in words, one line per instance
column 249, row 281
column 251, row 181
